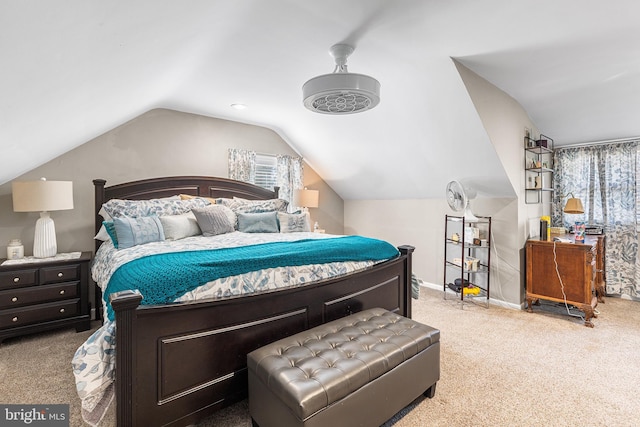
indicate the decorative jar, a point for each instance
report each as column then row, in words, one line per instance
column 15, row 249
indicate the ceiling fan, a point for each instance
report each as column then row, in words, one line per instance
column 458, row 197
column 341, row 92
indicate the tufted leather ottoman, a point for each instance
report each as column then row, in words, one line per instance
column 355, row 371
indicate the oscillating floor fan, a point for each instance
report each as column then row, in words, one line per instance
column 458, row 197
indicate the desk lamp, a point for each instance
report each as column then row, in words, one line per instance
column 574, row 205
column 43, row 196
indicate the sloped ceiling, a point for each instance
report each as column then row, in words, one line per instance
column 73, row 69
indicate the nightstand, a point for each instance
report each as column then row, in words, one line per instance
column 43, row 295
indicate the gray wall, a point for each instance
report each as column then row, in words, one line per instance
column 157, row 143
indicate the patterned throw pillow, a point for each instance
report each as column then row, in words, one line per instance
column 157, row 207
column 261, row 222
column 137, row 231
column 294, row 222
column 254, row 206
column 215, row 219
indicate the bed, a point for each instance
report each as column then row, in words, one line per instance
column 178, row 363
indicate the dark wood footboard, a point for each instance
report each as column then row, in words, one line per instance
column 178, row 363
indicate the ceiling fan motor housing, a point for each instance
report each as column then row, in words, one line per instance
column 341, row 93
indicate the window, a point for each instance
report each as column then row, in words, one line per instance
column 604, row 177
column 266, row 171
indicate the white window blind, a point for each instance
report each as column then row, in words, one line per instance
column 266, row 171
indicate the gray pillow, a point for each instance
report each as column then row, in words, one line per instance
column 264, row 222
column 214, row 220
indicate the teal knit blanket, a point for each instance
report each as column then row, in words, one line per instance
column 162, row 278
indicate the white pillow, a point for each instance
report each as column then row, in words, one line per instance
column 102, row 234
column 178, row 227
column 294, row 222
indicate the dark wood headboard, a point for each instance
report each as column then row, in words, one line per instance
column 153, row 188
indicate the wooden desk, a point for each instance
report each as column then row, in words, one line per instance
column 581, row 268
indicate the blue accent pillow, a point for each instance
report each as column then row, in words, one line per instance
column 137, row 231
column 264, row 222
column 111, row 231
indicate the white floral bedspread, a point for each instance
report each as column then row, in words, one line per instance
column 94, row 361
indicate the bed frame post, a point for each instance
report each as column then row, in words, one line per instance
column 408, row 272
column 124, row 305
column 98, row 186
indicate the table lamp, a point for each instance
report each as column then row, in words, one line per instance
column 305, row 199
column 43, row 196
column 574, row 205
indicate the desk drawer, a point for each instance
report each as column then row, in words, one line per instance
column 38, row 313
column 20, row 278
column 38, row 294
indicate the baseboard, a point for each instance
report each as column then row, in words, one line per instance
column 492, row 301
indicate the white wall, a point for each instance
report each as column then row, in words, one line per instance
column 417, row 222
column 505, row 120
column 421, row 222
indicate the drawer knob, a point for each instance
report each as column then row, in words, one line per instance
column 62, row 310
column 16, row 279
column 60, row 274
column 14, row 299
column 15, row 319
column 62, row 292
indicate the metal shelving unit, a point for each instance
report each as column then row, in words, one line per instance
column 538, row 169
column 467, row 257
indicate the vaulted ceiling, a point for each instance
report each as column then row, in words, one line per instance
column 74, row 69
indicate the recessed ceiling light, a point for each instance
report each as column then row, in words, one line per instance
column 239, row 106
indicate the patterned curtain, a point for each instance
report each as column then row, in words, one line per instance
column 289, row 176
column 604, row 178
column 242, row 165
column 289, row 171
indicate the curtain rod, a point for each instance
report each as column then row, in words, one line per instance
column 605, row 141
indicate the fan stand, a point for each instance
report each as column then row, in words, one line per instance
column 469, row 216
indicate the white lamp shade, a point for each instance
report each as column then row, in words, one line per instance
column 305, row 198
column 42, row 196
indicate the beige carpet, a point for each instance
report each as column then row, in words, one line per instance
column 499, row 367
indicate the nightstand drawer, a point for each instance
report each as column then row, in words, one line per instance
column 38, row 313
column 63, row 273
column 41, row 294
column 38, row 294
column 16, row 279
